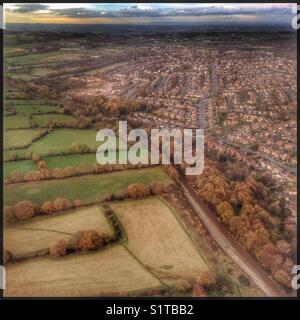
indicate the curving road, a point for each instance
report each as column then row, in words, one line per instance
column 230, row 245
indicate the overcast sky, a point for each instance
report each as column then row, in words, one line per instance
column 148, row 13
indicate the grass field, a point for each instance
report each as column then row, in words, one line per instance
column 111, row 271
column 158, row 241
column 19, row 138
column 88, row 188
column 59, row 140
column 72, row 160
column 15, row 122
column 38, row 235
column 21, row 166
column 30, row 59
column 42, row 120
column 27, row 101
column 41, row 71
column 34, row 108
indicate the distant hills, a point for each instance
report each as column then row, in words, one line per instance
column 138, row 29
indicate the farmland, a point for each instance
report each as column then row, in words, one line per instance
column 30, row 238
column 43, row 120
column 72, row 160
column 22, row 166
column 15, row 122
column 112, row 271
column 157, row 239
column 168, row 234
column 14, row 139
column 88, row 188
column 34, row 108
column 55, row 142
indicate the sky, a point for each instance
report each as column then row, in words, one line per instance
column 148, row 13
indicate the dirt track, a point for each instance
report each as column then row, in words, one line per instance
column 230, row 245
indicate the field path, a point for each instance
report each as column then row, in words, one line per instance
column 230, row 245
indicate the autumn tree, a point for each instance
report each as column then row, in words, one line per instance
column 16, row 177
column 284, row 247
column 225, row 211
column 59, row 249
column 138, row 190
column 206, row 278
column 86, row 240
column 60, row 204
column 47, row 207
column 25, row 210
column 283, row 278
column 158, row 188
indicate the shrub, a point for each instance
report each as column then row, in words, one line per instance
column 138, row 190
column 158, row 188
column 47, row 207
column 32, row 176
column 61, row 204
column 283, row 278
column 206, row 279
column 16, row 177
column 59, row 249
column 25, row 210
column 77, row 203
column 86, row 240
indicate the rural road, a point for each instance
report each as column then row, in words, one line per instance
column 230, row 245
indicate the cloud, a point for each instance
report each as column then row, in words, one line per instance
column 150, row 10
column 27, row 7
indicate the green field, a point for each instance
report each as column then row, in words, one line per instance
column 43, row 120
column 30, row 59
column 35, row 108
column 15, row 122
column 41, row 71
column 22, row 166
column 58, row 140
column 27, row 101
column 19, row 138
column 72, row 160
column 88, row 188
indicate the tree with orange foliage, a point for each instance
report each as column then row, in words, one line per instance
column 284, row 247
column 77, row 203
column 25, row 210
column 16, row 177
column 32, row 176
column 206, row 278
column 158, row 188
column 138, row 190
column 59, row 249
column 47, row 207
column 42, row 165
column 61, row 204
column 86, row 240
column 225, row 211
column 283, row 278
